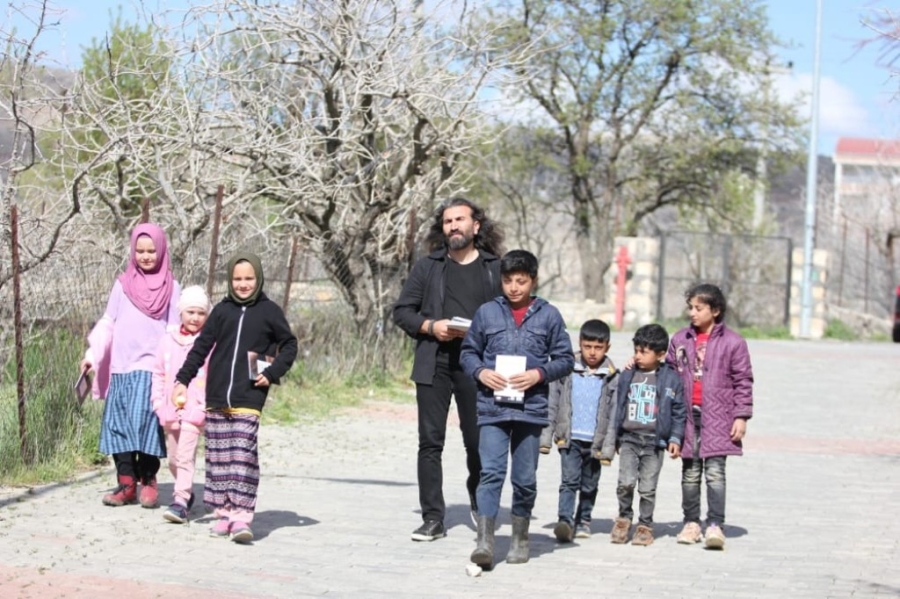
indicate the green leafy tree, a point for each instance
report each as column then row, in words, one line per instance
column 652, row 101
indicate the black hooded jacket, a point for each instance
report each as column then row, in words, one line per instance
column 230, row 332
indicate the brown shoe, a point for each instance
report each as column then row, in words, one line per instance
column 643, row 535
column 619, row 534
column 564, row 532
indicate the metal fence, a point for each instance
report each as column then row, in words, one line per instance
column 753, row 271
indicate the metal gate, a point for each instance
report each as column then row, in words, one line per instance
column 753, row 271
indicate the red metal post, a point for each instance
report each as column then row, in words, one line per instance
column 622, row 262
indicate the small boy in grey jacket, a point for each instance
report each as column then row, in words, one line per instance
column 581, row 426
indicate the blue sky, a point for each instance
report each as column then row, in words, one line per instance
column 858, row 98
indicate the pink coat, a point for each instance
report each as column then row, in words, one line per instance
column 173, row 349
column 727, row 388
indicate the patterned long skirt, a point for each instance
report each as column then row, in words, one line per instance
column 232, row 461
column 129, row 423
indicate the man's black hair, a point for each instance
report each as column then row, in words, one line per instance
column 489, row 237
column 594, row 330
column 519, row 261
column 652, row 336
column 709, row 294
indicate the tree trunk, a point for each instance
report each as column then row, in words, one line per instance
column 594, row 234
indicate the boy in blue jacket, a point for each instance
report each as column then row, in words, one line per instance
column 581, row 427
column 650, row 416
column 513, row 405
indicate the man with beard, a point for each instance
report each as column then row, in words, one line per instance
column 461, row 273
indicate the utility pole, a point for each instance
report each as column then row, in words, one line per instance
column 812, row 164
column 762, row 178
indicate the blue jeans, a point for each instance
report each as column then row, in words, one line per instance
column 691, row 473
column 580, row 476
column 494, row 445
column 640, row 461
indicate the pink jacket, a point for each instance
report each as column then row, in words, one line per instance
column 173, row 349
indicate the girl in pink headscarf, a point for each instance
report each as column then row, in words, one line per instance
column 122, row 348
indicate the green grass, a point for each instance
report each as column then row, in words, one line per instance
column 837, row 329
column 61, row 437
column 307, row 394
column 747, row 332
column 770, row 332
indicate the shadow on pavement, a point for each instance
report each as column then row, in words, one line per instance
column 264, row 523
column 33, row 492
column 365, row 481
column 671, row 529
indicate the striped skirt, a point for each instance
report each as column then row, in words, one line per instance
column 129, row 423
column 232, row 461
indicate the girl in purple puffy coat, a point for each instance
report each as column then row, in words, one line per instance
column 714, row 364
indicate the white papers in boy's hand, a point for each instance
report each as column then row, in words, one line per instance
column 507, row 366
column 460, row 324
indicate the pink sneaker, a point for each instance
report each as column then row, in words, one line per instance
column 241, row 533
column 690, row 534
column 221, row 529
column 715, row 538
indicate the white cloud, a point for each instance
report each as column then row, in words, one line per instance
column 841, row 113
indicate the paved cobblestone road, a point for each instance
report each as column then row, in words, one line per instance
column 812, row 511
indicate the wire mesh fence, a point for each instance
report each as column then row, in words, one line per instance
column 862, row 274
column 753, row 271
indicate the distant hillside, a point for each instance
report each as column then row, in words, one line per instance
column 52, row 80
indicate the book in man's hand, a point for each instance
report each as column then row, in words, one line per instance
column 460, row 324
column 82, row 386
column 257, row 362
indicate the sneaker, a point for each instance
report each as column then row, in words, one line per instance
column 176, row 514
column 619, row 534
column 429, row 531
column 473, row 509
column 221, row 528
column 564, row 532
column 241, row 533
column 582, row 531
column 643, row 535
column 690, row 534
column 715, row 538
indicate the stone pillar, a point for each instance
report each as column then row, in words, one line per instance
column 819, row 278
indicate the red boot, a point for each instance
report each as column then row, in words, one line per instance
column 149, row 493
column 124, row 494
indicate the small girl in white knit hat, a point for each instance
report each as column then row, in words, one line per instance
column 182, row 417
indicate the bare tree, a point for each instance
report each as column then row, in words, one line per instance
column 32, row 100
column 330, row 121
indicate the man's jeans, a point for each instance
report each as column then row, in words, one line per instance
column 494, row 445
column 691, row 473
column 640, row 462
column 433, row 403
column 580, row 476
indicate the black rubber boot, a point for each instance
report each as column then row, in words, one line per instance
column 518, row 547
column 484, row 550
